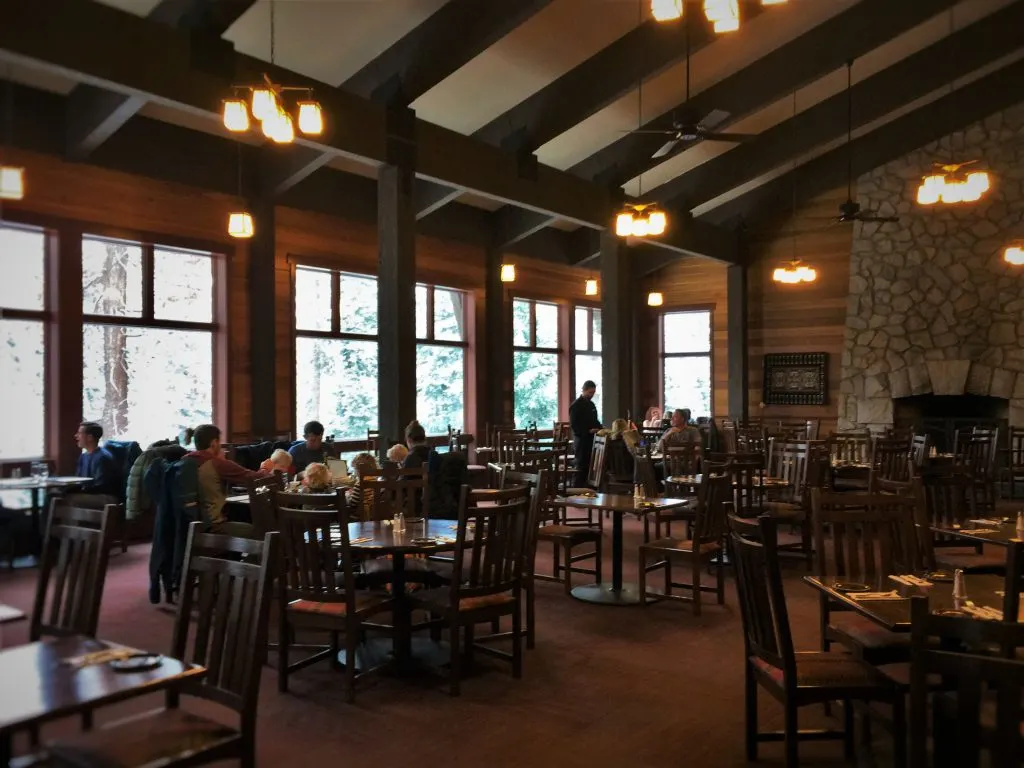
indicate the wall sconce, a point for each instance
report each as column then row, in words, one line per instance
column 655, row 299
column 591, row 289
column 508, row 273
column 240, row 225
column 1014, row 254
column 12, row 183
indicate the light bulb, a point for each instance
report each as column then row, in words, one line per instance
column 508, row 273
column 1014, row 255
column 772, row 2
column 284, row 130
column 657, row 221
column 264, row 103
column 311, row 118
column 240, row 225
column 641, row 226
column 952, row 193
column 12, row 183
column 236, row 115
column 655, row 299
column 591, row 289
column 727, row 25
column 624, row 224
column 978, row 183
column 930, row 190
column 724, row 14
column 666, row 10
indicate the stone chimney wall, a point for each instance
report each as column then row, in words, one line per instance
column 933, row 308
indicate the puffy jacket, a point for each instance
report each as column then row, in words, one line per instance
column 137, row 500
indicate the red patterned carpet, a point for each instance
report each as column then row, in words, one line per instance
column 645, row 688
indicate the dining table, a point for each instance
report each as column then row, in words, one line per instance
column 1001, row 532
column 615, row 592
column 56, row 678
column 984, row 591
column 38, row 488
column 9, row 615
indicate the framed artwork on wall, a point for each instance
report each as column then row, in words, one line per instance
column 800, row 379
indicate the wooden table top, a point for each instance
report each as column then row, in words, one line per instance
column 28, row 483
column 10, row 614
column 48, row 689
column 1004, row 534
column 243, row 498
column 894, row 615
column 615, row 502
column 431, row 536
column 767, row 482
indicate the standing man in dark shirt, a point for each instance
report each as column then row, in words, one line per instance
column 585, row 424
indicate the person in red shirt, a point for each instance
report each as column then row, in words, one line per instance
column 214, row 471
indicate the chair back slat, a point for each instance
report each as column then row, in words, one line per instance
column 596, row 471
column 891, row 458
column 72, row 571
column 853, row 446
column 683, row 459
column 714, row 499
column 762, row 600
column 396, row 491
column 492, row 541
column 230, row 600
column 747, row 472
column 949, row 499
column 315, row 547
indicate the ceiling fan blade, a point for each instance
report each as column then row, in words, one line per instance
column 730, row 137
column 666, row 148
column 715, row 117
column 655, row 133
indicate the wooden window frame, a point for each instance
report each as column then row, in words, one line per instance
column 589, row 350
column 710, row 354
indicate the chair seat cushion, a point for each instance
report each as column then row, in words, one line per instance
column 570, row 532
column 682, row 545
column 865, row 632
column 364, row 601
column 156, row 737
column 441, row 598
column 827, row 670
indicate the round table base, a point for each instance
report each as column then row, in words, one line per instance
column 377, row 651
column 605, row 595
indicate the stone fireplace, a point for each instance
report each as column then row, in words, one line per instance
column 932, row 307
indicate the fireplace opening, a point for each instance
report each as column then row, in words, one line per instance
column 941, row 416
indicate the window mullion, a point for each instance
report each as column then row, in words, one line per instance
column 148, row 281
column 430, row 313
column 533, row 325
column 335, row 302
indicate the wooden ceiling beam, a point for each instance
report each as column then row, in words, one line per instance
column 94, row 113
column 456, row 33
column 643, row 52
column 952, row 112
column 431, row 197
column 921, row 73
column 828, row 46
column 74, row 38
column 512, row 225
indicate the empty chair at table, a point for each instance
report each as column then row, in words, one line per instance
column 950, row 501
column 229, row 601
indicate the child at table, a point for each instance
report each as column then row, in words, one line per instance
column 360, row 498
column 279, row 461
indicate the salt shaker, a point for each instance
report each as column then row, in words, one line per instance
column 636, row 492
column 959, row 588
column 1020, row 524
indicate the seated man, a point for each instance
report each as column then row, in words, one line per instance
column 99, row 464
column 419, row 451
column 680, row 433
column 310, row 451
column 213, row 471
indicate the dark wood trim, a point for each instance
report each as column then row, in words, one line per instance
column 63, row 379
column 566, row 359
column 335, row 303
column 618, row 318
column 263, row 317
column 94, row 115
column 223, row 362
column 738, row 352
column 148, row 322
column 148, row 286
column 205, row 17
column 497, row 337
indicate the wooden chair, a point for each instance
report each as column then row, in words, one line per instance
column 373, row 441
column 919, row 445
column 231, row 609
column 317, row 586
column 681, row 461
column 797, row 679
column 984, row 715
column 263, row 504
column 487, row 575
column 949, row 500
column 561, row 431
column 977, row 452
column 872, row 537
column 1015, row 459
column 72, row 571
column 891, row 459
column 705, row 545
column 790, row 504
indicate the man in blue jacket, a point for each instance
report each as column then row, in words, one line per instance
column 99, row 464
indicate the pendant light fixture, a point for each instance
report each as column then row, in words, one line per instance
column 795, row 271
column 643, row 219
column 724, row 15
column 655, row 299
column 240, row 224
column 591, row 287
column 12, row 178
column 508, row 273
column 266, row 103
column 667, row 10
column 950, row 185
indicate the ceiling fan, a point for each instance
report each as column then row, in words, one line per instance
column 690, row 127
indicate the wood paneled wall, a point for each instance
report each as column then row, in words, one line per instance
column 137, row 206
column 781, row 318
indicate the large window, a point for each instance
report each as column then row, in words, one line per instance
column 686, row 361
column 147, row 338
column 587, row 347
column 22, row 342
column 440, row 358
column 535, row 362
column 336, row 351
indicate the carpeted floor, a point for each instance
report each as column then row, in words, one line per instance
column 606, row 686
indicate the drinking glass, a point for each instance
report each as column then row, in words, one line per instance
column 16, row 473
column 35, row 472
column 44, row 471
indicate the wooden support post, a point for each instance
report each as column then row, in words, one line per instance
column 736, row 304
column 396, row 301
column 497, row 339
column 262, row 316
column 64, row 345
column 618, row 328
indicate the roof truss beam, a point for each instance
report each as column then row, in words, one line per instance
column 456, row 33
column 512, row 225
column 826, row 47
column 947, row 114
column 431, row 197
column 924, row 72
